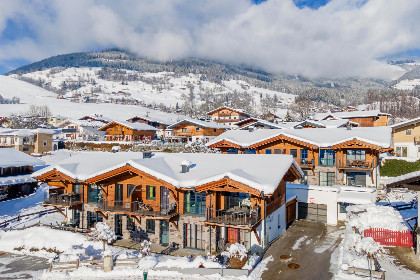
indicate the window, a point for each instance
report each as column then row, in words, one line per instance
column 326, row 178
column 150, row 226
column 195, row 203
column 293, row 152
column 194, row 236
column 355, row 155
column 197, row 129
column 116, row 128
column 401, row 151
column 130, row 190
column 304, row 156
column 131, row 224
column 151, row 192
column 45, row 143
column 327, row 158
column 304, row 179
column 95, row 194
column 343, row 206
column 408, row 132
column 268, row 151
column 214, row 130
column 93, row 218
column 250, row 151
column 77, row 188
column 277, row 151
column 278, row 221
column 232, row 151
column 26, row 149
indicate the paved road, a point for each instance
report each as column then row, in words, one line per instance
column 310, row 244
column 14, row 266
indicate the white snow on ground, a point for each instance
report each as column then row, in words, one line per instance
column 298, row 242
column 402, row 195
column 385, row 157
column 407, row 84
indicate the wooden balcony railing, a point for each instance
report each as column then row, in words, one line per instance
column 140, row 208
column 64, row 200
column 236, row 216
column 308, row 163
column 357, row 164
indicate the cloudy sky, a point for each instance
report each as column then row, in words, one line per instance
column 336, row 38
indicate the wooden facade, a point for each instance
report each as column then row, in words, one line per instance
column 115, row 131
column 227, row 115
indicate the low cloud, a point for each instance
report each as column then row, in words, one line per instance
column 341, row 39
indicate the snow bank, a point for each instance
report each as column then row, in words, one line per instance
column 405, row 196
column 185, row 262
column 235, row 250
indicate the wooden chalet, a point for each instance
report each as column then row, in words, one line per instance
column 228, row 116
column 126, row 131
column 330, row 156
column 199, row 201
column 371, row 118
column 192, row 130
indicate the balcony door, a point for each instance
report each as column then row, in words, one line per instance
column 118, row 225
column 118, row 194
column 164, row 198
column 164, row 233
column 356, row 179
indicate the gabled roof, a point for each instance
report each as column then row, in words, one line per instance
column 200, row 124
column 406, row 123
column 264, row 123
column 134, row 126
column 10, row 157
column 323, row 138
column 348, row 115
column 327, row 123
column 151, row 119
column 260, row 172
column 247, row 120
column 241, row 111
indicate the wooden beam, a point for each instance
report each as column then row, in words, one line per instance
column 59, row 210
column 137, row 219
column 175, row 225
column 102, row 214
column 256, row 235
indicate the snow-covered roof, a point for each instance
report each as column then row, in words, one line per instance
column 327, row 123
column 323, row 138
column 200, row 124
column 348, row 115
column 412, row 176
column 153, row 119
column 15, row 180
column 357, row 195
column 134, row 126
column 402, row 124
column 264, row 123
column 16, row 132
column 261, row 172
column 43, row 131
column 10, row 157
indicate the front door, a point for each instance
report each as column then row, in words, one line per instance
column 164, row 233
column 164, row 199
column 118, row 194
column 233, row 235
column 118, row 225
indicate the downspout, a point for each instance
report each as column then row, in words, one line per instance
column 265, row 217
column 207, row 218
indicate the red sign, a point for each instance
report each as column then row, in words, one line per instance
column 311, row 200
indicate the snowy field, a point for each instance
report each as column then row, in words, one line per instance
column 407, row 84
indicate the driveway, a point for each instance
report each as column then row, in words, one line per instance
column 310, row 245
column 14, row 266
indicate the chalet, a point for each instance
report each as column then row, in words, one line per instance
column 325, row 124
column 190, row 130
column 15, row 173
column 406, row 138
column 228, row 116
column 27, row 141
column 56, row 120
column 80, row 130
column 328, row 156
column 159, row 124
column 126, row 131
column 197, row 201
column 363, row 118
column 96, row 118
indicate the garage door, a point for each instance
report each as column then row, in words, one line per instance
column 312, row 212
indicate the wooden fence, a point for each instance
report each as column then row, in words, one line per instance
column 391, row 238
column 19, row 217
column 92, row 264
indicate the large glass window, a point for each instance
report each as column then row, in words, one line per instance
column 130, row 190
column 150, row 226
column 151, row 193
column 233, row 199
column 401, row 151
column 195, row 203
column 95, row 194
column 293, row 152
column 355, row 155
column 326, row 178
column 250, row 151
column 194, row 236
column 356, row 179
column 232, row 151
column 131, row 224
column 77, row 188
column 304, row 156
column 326, row 157
column 93, row 218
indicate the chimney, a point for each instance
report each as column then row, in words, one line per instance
column 250, row 129
column 147, row 155
column 185, row 166
column 348, row 126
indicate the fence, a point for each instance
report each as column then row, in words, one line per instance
column 18, row 218
column 391, row 238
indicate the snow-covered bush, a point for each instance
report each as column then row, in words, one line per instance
column 102, row 232
column 236, row 254
column 199, row 146
column 145, row 248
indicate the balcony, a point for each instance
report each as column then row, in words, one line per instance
column 236, row 216
column 307, row 163
column 357, row 164
column 63, row 200
column 150, row 210
column 183, row 134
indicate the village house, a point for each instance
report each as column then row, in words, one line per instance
column 159, row 124
column 228, row 116
column 406, row 138
column 128, row 132
column 55, row 121
column 196, row 201
column 37, row 141
column 328, row 156
column 363, row 118
column 190, row 130
column 80, row 130
column 15, row 173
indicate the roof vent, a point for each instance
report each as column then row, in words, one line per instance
column 147, row 154
column 185, row 166
column 251, row 129
column 348, row 125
